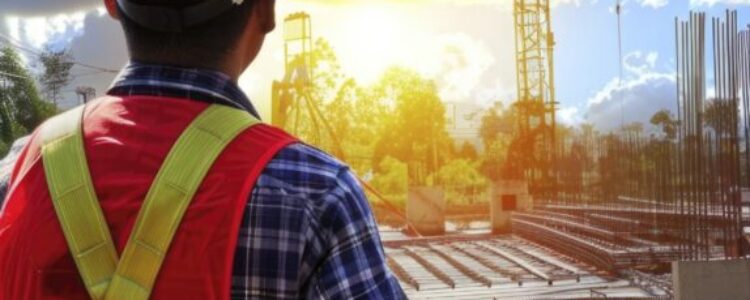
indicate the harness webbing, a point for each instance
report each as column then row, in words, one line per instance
column 75, row 201
column 178, row 179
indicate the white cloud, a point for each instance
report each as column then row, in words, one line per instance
column 639, row 63
column 46, row 7
column 625, row 4
column 653, row 3
column 709, row 3
column 644, row 92
column 498, row 91
column 457, row 63
column 569, row 116
column 39, row 31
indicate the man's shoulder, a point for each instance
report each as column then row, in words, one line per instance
column 300, row 167
column 320, row 190
column 302, row 177
column 306, row 153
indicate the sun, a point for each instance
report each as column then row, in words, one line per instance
column 371, row 38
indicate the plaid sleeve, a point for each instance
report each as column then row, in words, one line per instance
column 308, row 232
column 355, row 265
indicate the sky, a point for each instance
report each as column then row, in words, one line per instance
column 466, row 46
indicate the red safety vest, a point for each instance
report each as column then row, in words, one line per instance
column 126, row 140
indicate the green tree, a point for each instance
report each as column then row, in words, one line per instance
column 22, row 107
column 415, row 129
column 633, row 130
column 668, row 124
column 355, row 119
column 496, row 124
column 468, row 152
column 497, row 130
column 392, row 179
column 493, row 160
column 462, row 182
column 326, row 69
column 720, row 115
column 57, row 65
column 354, row 115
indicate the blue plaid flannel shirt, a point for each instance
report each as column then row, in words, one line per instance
column 308, row 231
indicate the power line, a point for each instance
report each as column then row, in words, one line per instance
column 18, row 45
column 76, row 76
column 6, row 74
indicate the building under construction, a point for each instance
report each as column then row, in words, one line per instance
column 586, row 216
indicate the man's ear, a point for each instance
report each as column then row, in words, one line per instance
column 265, row 12
column 112, row 8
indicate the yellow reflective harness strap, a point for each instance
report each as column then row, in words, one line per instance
column 81, row 217
column 181, row 174
column 75, row 201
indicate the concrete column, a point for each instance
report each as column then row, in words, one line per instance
column 716, row 280
column 506, row 197
column 425, row 210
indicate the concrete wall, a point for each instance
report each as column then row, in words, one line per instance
column 425, row 210
column 502, row 204
column 715, row 280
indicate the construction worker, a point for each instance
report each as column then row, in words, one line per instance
column 171, row 188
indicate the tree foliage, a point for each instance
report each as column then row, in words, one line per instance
column 666, row 122
column 415, row 131
column 22, row 108
column 401, row 116
column 497, row 130
column 720, row 116
column 468, row 152
column 57, row 65
column 461, row 181
column 392, row 179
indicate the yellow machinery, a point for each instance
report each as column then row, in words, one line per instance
column 533, row 151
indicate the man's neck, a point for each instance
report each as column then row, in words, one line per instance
column 230, row 69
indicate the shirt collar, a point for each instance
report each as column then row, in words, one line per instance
column 204, row 85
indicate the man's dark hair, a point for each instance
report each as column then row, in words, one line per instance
column 205, row 44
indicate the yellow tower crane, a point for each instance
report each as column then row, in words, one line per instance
column 532, row 153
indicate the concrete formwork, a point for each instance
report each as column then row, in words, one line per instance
column 499, row 267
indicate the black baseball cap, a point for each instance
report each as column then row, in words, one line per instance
column 173, row 19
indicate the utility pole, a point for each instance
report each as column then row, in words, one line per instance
column 85, row 93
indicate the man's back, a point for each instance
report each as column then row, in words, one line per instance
column 306, row 231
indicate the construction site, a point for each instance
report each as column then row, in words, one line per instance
column 588, row 216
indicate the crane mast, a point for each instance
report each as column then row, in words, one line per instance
column 535, row 148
